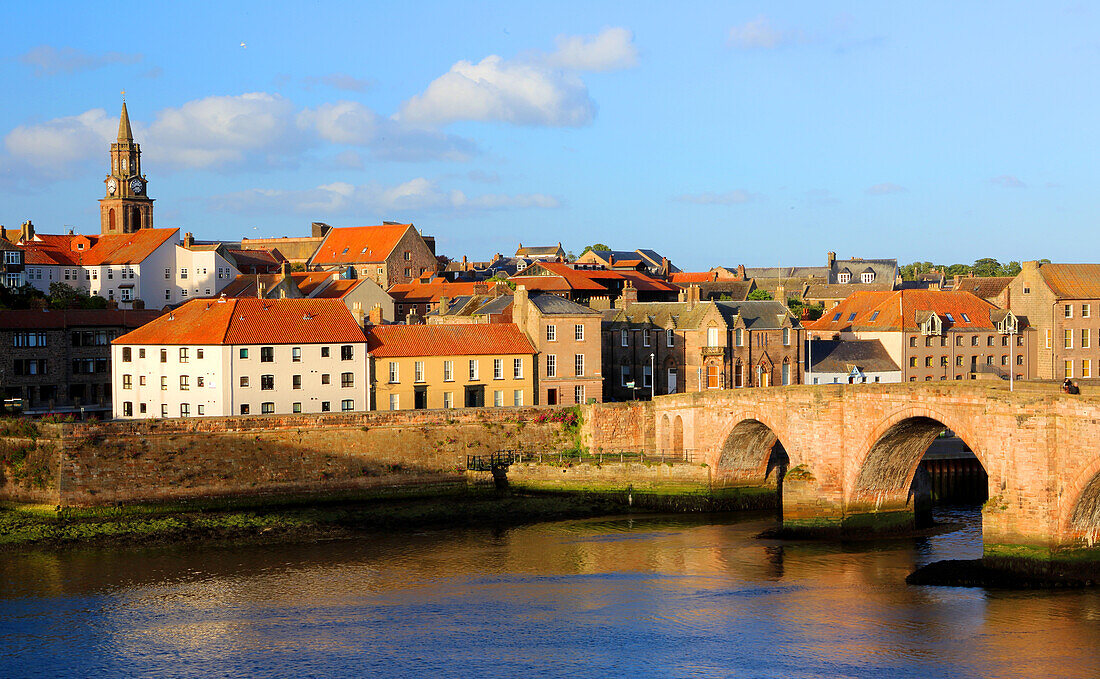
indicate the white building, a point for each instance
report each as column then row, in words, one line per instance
column 850, row 362
column 148, row 264
column 242, row 357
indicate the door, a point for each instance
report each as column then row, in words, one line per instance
column 551, row 397
column 712, row 377
column 765, row 376
column 475, row 396
column 672, row 380
column 420, row 398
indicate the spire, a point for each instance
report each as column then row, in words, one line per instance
column 124, row 133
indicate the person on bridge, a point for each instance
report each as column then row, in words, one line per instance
column 1069, row 387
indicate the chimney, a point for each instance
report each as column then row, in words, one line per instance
column 1029, row 266
column 375, row 317
column 830, row 259
column 481, row 288
column 444, row 304
column 692, row 296
column 629, row 296
column 319, row 229
column 357, row 314
column 465, row 266
column 520, row 307
column 284, row 269
column 611, row 259
column 188, row 240
column 26, row 231
column 413, row 318
column 781, row 294
column 741, row 272
column 261, row 288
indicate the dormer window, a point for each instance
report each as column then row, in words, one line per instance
column 844, row 277
column 950, row 318
column 868, row 277
column 966, row 318
column 344, row 252
column 836, row 316
column 874, row 315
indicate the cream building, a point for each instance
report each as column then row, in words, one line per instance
column 242, row 357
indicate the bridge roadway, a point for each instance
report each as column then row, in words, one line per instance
column 852, row 452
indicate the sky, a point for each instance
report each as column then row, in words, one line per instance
column 716, row 133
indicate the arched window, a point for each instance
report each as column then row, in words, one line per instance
column 739, row 375
column 786, row 371
column 111, row 220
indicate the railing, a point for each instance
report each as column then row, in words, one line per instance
column 487, row 463
column 601, row 456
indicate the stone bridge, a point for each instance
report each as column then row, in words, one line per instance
column 851, row 453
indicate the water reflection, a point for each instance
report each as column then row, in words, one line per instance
column 659, row 596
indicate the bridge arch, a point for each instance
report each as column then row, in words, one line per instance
column 747, row 450
column 1081, row 520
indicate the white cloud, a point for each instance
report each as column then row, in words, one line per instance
column 612, row 49
column 735, row 197
column 54, row 147
column 884, row 189
column 49, row 60
column 1009, row 182
column 353, row 124
column 341, row 198
column 494, row 89
column 760, row 34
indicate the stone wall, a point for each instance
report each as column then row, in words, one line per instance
column 611, row 476
column 615, row 427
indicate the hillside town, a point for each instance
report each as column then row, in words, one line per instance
column 141, row 321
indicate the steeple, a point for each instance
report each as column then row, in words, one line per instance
column 124, row 132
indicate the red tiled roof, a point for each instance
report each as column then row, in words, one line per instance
column 34, row 319
column 251, row 321
column 575, row 279
column 429, row 292
column 897, row 310
column 128, row 248
column 339, row 289
column 359, row 244
column 684, row 277
column 1072, row 281
column 392, row 341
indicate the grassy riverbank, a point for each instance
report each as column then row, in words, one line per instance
column 336, row 516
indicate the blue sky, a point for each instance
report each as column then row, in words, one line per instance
column 715, row 133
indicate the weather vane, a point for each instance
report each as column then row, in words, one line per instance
column 123, row 96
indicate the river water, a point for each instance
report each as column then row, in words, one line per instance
column 661, row 596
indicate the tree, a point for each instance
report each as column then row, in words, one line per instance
column 443, row 261
column 64, row 296
column 595, row 246
column 760, row 293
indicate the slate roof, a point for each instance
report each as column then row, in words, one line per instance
column 251, row 321
column 984, row 287
column 553, row 305
column 538, row 250
column 260, row 259
column 293, row 249
column 394, row 341
column 839, row 356
column 762, row 314
column 821, row 272
column 662, row 314
column 737, row 290
column 902, row 310
column 842, row 290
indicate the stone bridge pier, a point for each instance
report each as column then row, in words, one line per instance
column 851, row 453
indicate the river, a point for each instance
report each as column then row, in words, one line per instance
column 659, row 596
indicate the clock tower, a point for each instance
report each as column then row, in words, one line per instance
column 126, row 207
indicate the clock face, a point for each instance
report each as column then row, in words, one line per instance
column 112, row 186
column 135, row 185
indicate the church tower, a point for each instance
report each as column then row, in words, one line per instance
column 127, row 207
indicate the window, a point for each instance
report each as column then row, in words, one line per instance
column 625, row 371
column 966, row 318
column 670, row 338
column 1086, row 368
column 1068, row 310
column 551, row 365
column 244, row 409
column 126, row 294
column 867, row 277
column 184, row 386
column 198, row 354
column 645, row 337
column 127, row 409
column 927, row 361
column 325, row 378
column 578, row 332
column 395, row 402
column 164, row 383
column 267, row 382
column 844, row 277
column 1048, row 338
column 141, row 380
column 943, row 361
column 164, row 410
column 324, row 352
column 267, row 354
column 1085, row 338
column 1068, row 369
column 958, row 360
column 958, row 340
column 517, row 368
column 712, row 337
column 296, row 407
column 244, row 353
column 624, row 337
column 836, row 316
column 647, row 376
column 1004, row 341
column 738, row 338
column 183, row 273
column 473, row 369
column 498, row 368
column 974, row 341
column 408, row 256
column 418, row 371
column 448, row 371
column 578, row 365
column 786, row 337
column 127, row 354
column 141, row 353
column 1020, row 359
column 346, row 352
column 185, row 410
column 325, row 406
column 183, row 292
column 127, row 381
column 244, row 381
column 1067, row 339
column 912, row 341
column 347, row 404
column 296, row 354
column 183, row 355
column 578, row 393
column 267, row 408
column 200, row 382
column 851, row 316
column 448, row 399
column 1086, row 310
column 163, row 355
column 551, row 333
column 498, row 398
column 989, row 360
column 296, row 382
column 912, row 361
column 1004, row 359
column 347, row 380
column 786, row 374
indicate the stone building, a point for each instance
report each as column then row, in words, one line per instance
column 673, row 347
column 59, row 361
column 450, row 366
column 126, row 208
column 935, row 335
column 1058, row 300
column 389, row 254
column 242, row 357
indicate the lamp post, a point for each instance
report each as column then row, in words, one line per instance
column 652, row 376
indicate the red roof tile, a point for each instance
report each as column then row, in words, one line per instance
column 359, row 244
column 897, row 310
column 1072, row 281
column 419, row 293
column 251, row 321
column 393, row 341
column 339, row 289
column 684, row 277
column 129, row 248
